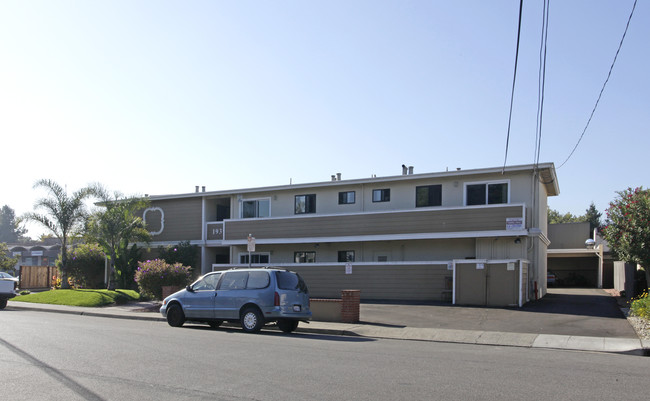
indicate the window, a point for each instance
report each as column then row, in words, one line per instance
column 428, row 195
column 304, row 257
column 347, row 198
column 305, row 204
column 486, row 194
column 255, row 208
column 346, row 256
column 259, row 258
column 207, row 283
column 258, row 280
column 381, row 195
column 233, row 281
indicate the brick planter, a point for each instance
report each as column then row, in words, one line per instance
column 168, row 290
column 350, row 306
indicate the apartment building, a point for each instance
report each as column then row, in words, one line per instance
column 464, row 236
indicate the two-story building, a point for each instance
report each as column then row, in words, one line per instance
column 466, row 236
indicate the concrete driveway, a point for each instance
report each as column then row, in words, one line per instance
column 573, row 312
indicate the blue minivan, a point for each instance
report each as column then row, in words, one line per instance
column 252, row 297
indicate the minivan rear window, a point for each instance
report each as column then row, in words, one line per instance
column 290, row 281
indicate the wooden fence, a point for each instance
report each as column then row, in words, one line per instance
column 37, row 277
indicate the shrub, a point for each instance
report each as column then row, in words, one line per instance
column 640, row 306
column 183, row 253
column 86, row 266
column 152, row 275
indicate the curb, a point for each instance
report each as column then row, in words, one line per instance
column 623, row 346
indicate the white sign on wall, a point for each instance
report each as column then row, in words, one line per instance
column 348, row 268
column 514, row 223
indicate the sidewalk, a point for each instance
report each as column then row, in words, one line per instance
column 633, row 346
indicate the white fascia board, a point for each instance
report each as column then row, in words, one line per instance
column 386, row 237
column 567, row 253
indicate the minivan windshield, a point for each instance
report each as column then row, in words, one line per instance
column 290, row 281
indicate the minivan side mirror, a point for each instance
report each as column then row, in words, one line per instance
column 189, row 288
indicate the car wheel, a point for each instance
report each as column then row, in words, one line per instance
column 287, row 325
column 215, row 323
column 252, row 320
column 3, row 303
column 175, row 315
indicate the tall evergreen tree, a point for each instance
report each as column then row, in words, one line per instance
column 10, row 230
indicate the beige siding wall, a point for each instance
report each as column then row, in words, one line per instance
column 395, row 251
column 378, row 282
column 412, row 222
column 182, row 219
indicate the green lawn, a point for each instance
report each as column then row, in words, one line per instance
column 80, row 297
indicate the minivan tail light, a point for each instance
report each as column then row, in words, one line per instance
column 276, row 299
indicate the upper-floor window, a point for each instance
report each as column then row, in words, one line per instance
column 305, row 204
column 488, row 193
column 259, row 258
column 252, row 208
column 428, row 195
column 381, row 195
column 346, row 198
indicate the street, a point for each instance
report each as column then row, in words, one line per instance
column 52, row 356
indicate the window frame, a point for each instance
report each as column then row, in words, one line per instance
column 243, row 258
column 305, row 253
column 429, row 195
column 343, row 195
column 257, row 208
column 486, row 184
column 347, row 254
column 384, row 195
column 310, row 205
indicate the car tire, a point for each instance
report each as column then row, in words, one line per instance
column 287, row 325
column 3, row 303
column 252, row 320
column 215, row 323
column 175, row 315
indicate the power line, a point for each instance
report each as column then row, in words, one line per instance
column 541, row 83
column 514, row 79
column 603, row 88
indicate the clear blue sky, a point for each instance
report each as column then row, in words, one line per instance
column 159, row 96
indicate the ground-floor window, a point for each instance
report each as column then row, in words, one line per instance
column 259, row 258
column 304, row 257
column 346, row 256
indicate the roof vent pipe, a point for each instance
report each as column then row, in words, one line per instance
column 410, row 169
column 333, row 177
column 338, row 176
column 196, row 189
column 203, row 188
column 404, row 169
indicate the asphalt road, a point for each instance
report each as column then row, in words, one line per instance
column 46, row 356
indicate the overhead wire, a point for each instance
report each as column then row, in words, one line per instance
column 541, row 82
column 512, row 94
column 604, row 85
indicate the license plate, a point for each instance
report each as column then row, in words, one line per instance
column 297, row 308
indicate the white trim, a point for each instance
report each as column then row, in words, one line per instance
column 162, row 219
column 381, row 237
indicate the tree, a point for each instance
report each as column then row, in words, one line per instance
column 7, row 264
column 627, row 230
column 183, row 253
column 10, row 231
column 63, row 215
column 115, row 227
column 555, row 217
column 593, row 216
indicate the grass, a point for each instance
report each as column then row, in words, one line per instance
column 90, row 298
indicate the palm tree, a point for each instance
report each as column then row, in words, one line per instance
column 62, row 214
column 115, row 227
